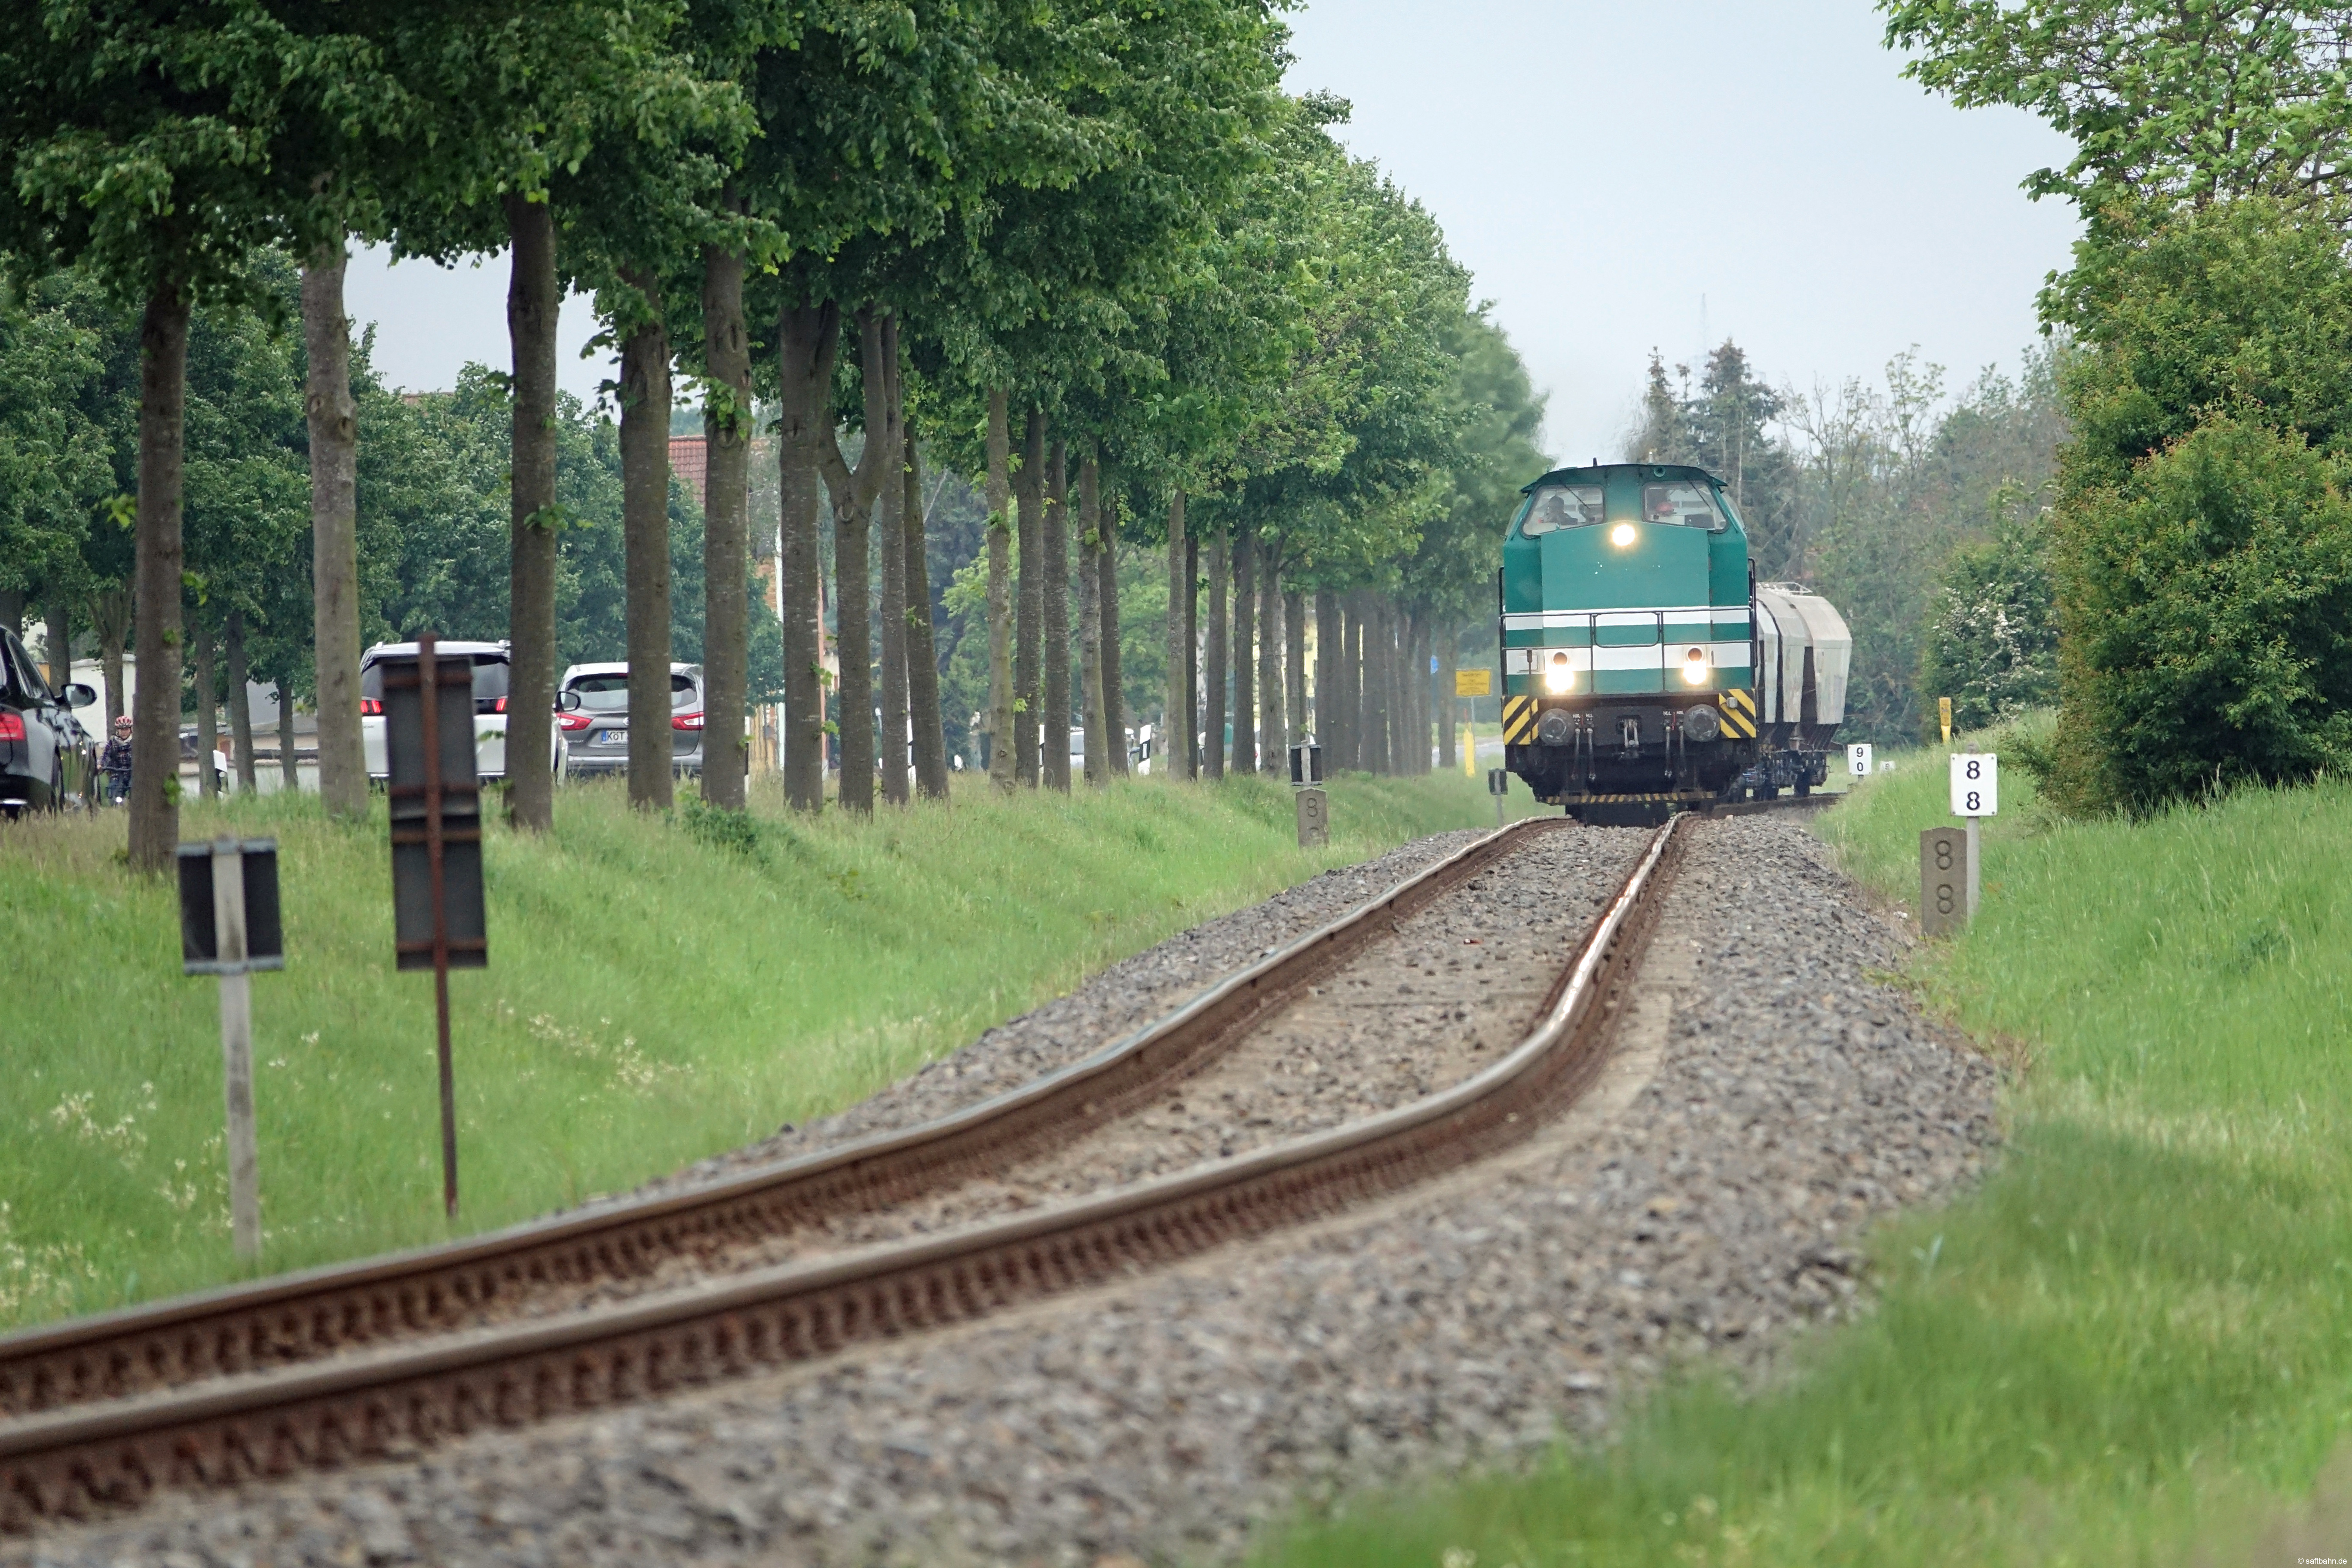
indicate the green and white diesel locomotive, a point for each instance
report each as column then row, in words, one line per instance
column 1643, row 666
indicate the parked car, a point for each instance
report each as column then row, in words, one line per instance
column 598, row 728
column 493, row 670
column 39, row 737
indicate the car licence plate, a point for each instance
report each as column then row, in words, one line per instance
column 613, row 738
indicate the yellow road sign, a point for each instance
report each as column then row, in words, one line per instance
column 1474, row 683
column 1944, row 714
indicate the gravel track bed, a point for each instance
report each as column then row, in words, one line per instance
column 1768, row 1099
column 1114, row 1003
column 1452, row 989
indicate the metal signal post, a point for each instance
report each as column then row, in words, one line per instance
column 437, row 844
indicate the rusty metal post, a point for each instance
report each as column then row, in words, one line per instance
column 428, row 680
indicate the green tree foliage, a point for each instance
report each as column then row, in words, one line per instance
column 2167, row 103
column 2242, row 305
column 2206, row 606
column 1725, row 428
column 1990, row 641
column 56, row 469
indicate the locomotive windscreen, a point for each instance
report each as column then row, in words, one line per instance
column 1562, row 506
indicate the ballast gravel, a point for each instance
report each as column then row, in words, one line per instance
column 1115, row 1003
column 1452, row 989
column 1768, row 1098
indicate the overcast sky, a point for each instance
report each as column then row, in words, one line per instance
column 1617, row 176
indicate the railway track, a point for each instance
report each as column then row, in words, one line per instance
column 382, row 1359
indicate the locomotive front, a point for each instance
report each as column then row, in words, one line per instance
column 1629, row 622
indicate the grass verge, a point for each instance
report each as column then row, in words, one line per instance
column 2134, row 1345
column 658, row 990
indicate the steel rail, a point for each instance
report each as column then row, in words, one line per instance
column 323, row 1312
column 393, row 1402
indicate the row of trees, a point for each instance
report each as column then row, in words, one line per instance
column 2198, row 549
column 1088, row 251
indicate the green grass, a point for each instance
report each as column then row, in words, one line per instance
column 657, row 990
column 2134, row 1344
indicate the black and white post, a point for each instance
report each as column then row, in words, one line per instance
column 229, row 927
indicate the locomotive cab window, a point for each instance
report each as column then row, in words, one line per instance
column 1683, row 502
column 1562, row 506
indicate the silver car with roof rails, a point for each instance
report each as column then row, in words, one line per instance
column 598, row 728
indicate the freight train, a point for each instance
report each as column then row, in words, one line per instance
column 1644, row 668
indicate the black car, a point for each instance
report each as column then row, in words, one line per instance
column 36, row 731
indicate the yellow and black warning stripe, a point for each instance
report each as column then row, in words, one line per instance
column 1519, row 720
column 1739, row 714
column 1675, row 796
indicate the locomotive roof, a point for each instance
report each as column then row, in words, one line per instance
column 1597, row 473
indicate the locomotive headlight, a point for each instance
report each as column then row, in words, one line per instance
column 1695, row 667
column 1559, row 676
column 1622, row 535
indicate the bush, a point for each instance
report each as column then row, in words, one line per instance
column 2205, row 606
column 2245, row 305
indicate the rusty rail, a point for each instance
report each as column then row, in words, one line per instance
column 330, row 1311
column 72, row 1462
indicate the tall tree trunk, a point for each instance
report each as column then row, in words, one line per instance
column 725, row 529
column 290, row 760
column 1090, row 643
column 1175, row 734
column 1351, row 669
column 57, row 641
column 1113, row 683
column 1403, row 706
column 644, row 544
column 1391, row 695
column 922, row 650
column 1294, row 661
column 1215, row 655
column 1372, row 701
column 1449, row 755
column 240, row 705
column 12, row 611
column 854, row 498
column 155, row 722
column 532, row 303
column 808, row 337
column 110, row 618
column 1054, row 757
column 1331, row 648
column 1188, row 732
column 1029, row 491
column 1416, row 696
column 333, row 420
column 1001, row 771
column 1274, row 731
column 1340, row 718
column 207, row 708
column 890, row 527
column 853, row 585
column 1244, row 757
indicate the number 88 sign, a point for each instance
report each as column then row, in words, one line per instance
column 1975, row 783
